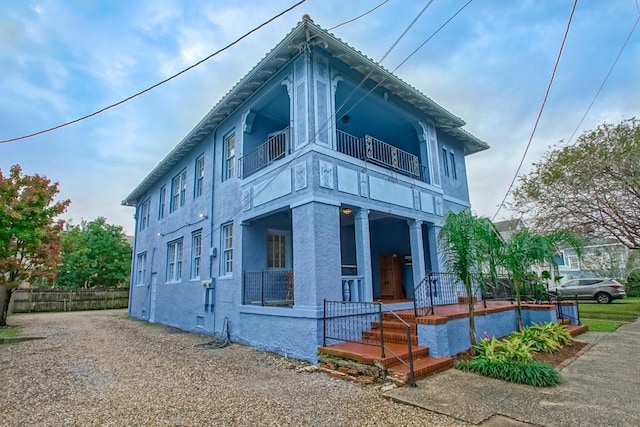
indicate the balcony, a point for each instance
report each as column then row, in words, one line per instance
column 367, row 148
column 275, row 148
column 373, row 150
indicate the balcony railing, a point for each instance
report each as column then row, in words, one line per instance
column 376, row 151
column 275, row 148
column 268, row 287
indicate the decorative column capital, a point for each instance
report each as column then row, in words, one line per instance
column 362, row 213
column 415, row 223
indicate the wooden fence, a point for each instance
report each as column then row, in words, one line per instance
column 37, row 300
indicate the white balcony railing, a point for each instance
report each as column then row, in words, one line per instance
column 275, row 148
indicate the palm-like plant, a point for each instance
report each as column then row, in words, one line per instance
column 526, row 249
column 466, row 242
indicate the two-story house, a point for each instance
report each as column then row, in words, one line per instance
column 319, row 175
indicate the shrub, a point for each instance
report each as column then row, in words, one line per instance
column 535, row 374
column 547, row 337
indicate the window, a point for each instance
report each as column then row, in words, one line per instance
column 144, row 214
column 276, row 251
column 174, row 261
column 574, row 263
column 141, row 274
column 229, row 156
column 162, row 201
column 445, row 162
column 178, row 190
column 227, row 249
column 454, row 172
column 196, row 254
column 199, row 178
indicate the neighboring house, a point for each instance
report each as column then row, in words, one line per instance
column 318, row 176
column 600, row 258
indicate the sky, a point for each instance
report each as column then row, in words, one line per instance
column 63, row 59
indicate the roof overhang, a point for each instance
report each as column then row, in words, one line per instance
column 305, row 32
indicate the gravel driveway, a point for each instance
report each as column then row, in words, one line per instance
column 100, row 368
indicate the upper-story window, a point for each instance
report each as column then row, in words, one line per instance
column 229, row 156
column 199, row 178
column 178, row 190
column 445, row 161
column 174, row 261
column 452, row 164
column 162, row 201
column 145, row 209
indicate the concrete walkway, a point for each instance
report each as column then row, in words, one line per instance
column 600, row 388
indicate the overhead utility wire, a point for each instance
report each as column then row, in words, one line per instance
column 359, row 16
column 624, row 45
column 544, row 101
column 150, row 88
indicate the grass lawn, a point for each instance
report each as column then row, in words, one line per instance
column 9, row 332
column 608, row 317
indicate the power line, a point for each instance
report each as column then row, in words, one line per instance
column 150, row 88
column 624, row 45
column 544, row 101
column 359, row 16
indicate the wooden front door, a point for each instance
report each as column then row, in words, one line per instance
column 390, row 276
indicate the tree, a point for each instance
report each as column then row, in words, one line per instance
column 592, row 187
column 29, row 234
column 526, row 249
column 94, row 254
column 467, row 243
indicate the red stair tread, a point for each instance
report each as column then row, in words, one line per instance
column 424, row 366
column 369, row 354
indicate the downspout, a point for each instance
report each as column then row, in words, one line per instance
column 212, row 303
column 133, row 259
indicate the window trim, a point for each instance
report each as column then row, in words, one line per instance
column 226, row 243
column 175, row 253
column 445, row 161
column 179, row 192
column 162, row 201
column 452, row 164
column 141, row 268
column 145, row 214
column 199, row 171
column 228, row 165
column 196, row 255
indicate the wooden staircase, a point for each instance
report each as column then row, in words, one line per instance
column 396, row 352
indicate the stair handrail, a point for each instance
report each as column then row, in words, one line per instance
column 412, row 376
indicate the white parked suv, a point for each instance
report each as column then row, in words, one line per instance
column 601, row 289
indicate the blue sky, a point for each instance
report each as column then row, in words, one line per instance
column 62, row 59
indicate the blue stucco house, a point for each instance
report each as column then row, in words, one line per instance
column 319, row 176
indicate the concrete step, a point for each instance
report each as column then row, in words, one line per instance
column 575, row 330
column 372, row 355
column 393, row 335
column 422, row 367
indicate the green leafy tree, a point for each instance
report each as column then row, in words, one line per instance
column 590, row 188
column 29, row 234
column 467, row 243
column 94, row 254
column 526, row 249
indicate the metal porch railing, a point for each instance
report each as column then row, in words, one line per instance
column 268, row 287
column 275, row 148
column 379, row 152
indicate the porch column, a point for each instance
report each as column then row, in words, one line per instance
column 363, row 252
column 417, row 251
column 434, row 254
column 316, row 254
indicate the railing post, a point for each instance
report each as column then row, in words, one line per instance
column 324, row 323
column 412, row 376
column 381, row 331
column 262, row 287
column 578, row 311
column 431, row 292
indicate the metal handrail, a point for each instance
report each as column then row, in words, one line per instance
column 412, row 376
column 274, row 148
column 369, row 311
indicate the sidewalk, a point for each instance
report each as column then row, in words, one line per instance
column 602, row 387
